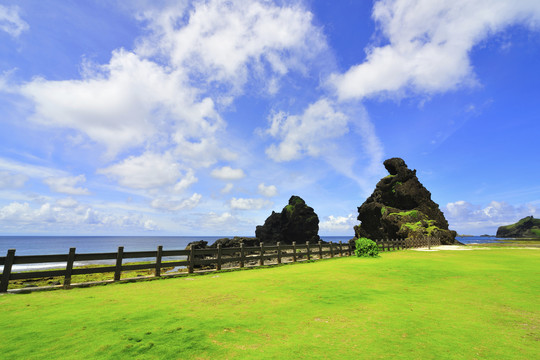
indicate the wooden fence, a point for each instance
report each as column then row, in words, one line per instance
column 197, row 260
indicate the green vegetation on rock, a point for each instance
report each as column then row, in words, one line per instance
column 366, row 248
column 399, row 208
column 526, row 227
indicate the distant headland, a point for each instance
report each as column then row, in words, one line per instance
column 528, row 227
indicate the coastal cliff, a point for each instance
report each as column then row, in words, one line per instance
column 528, row 227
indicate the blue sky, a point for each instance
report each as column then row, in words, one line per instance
column 201, row 117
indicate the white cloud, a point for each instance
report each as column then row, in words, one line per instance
column 268, row 191
column 67, row 202
column 67, row 215
column 172, row 205
column 224, row 41
column 343, row 224
column 305, row 134
column 124, row 103
column 249, row 204
column 150, row 170
column 188, row 180
column 67, row 185
column 429, row 44
column 162, row 95
column 228, row 173
column 11, row 181
column 227, row 188
column 467, row 217
column 11, row 22
column 29, row 170
column 214, row 221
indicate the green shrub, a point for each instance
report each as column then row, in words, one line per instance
column 366, row 247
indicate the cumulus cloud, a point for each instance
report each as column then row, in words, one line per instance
column 228, row 173
column 342, row 224
column 11, row 22
column 124, row 103
column 268, row 191
column 150, row 170
column 429, row 44
column 227, row 188
column 249, row 204
column 9, row 180
column 465, row 216
column 67, row 185
column 165, row 90
column 304, row 134
column 214, row 220
column 226, row 41
column 68, row 214
column 67, row 202
column 172, row 205
column 187, row 180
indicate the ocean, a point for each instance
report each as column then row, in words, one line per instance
column 49, row 245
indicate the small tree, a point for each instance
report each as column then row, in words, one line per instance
column 366, row 247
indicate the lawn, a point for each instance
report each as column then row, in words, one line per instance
column 480, row 304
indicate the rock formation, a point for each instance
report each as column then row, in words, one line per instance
column 235, row 242
column 401, row 207
column 528, row 227
column 296, row 222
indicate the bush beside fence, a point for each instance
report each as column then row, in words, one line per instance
column 201, row 259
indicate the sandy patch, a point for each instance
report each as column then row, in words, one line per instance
column 448, row 247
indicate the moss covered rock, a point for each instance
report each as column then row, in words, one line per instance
column 401, row 207
column 528, row 227
column 296, row 222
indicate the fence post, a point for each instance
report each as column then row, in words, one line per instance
column 242, row 255
column 159, row 255
column 218, row 265
column 307, row 251
column 278, row 252
column 191, row 259
column 331, row 249
column 69, row 267
column 320, row 250
column 349, row 248
column 294, row 251
column 340, row 248
column 10, row 258
column 119, row 257
column 261, row 259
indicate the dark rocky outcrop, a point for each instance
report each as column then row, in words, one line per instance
column 401, row 207
column 199, row 244
column 235, row 242
column 296, row 222
column 528, row 227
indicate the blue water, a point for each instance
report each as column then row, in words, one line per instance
column 48, row 245
column 479, row 239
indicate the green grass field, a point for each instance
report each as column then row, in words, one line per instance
column 481, row 304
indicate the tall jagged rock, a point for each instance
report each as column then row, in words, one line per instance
column 296, row 222
column 401, row 207
column 528, row 227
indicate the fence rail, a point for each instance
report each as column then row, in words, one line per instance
column 214, row 258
